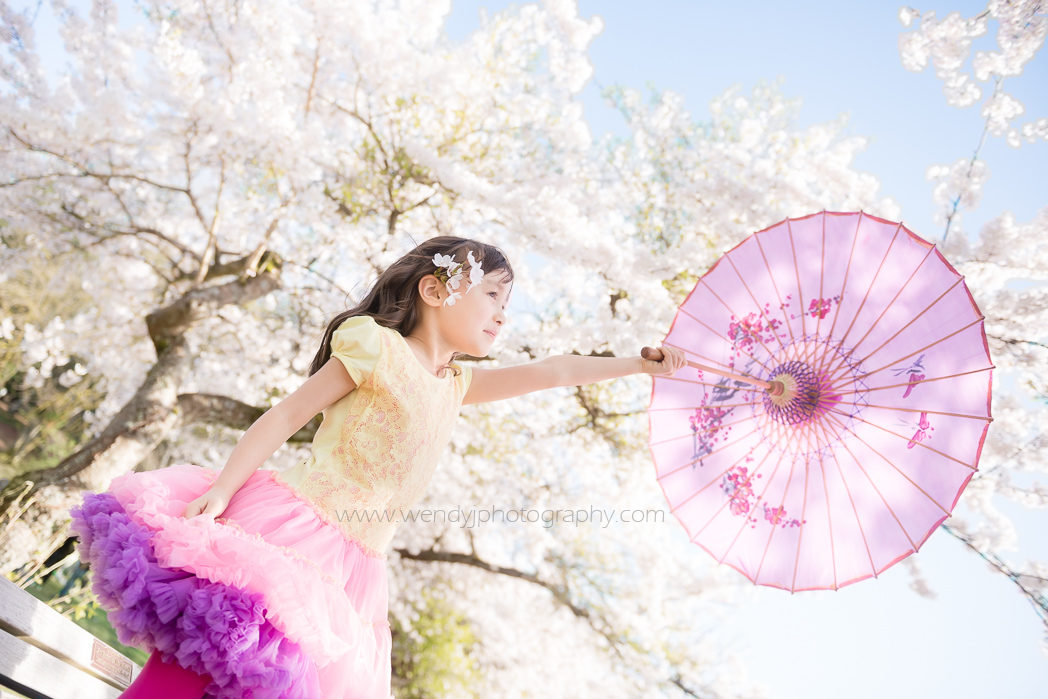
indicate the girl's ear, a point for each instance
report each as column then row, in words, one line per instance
column 432, row 291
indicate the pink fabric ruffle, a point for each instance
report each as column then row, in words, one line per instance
column 325, row 592
column 213, row 630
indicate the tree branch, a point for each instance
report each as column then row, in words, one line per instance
column 475, row 561
column 313, row 78
column 196, row 304
column 1037, row 599
column 971, row 163
column 229, row 412
column 560, row 594
column 1016, row 341
column 85, row 171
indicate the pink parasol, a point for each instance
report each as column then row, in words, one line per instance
column 835, row 406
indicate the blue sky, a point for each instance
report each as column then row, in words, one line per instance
column 979, row 637
column 837, row 58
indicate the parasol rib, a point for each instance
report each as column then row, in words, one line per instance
column 775, row 528
column 797, row 274
column 880, row 495
column 855, row 510
column 829, row 511
column 726, row 502
column 984, row 418
column 703, row 489
column 781, row 436
column 869, row 288
column 822, row 272
column 735, row 315
column 904, row 385
column 829, row 524
column 722, row 337
column 902, row 359
column 746, row 520
column 912, row 321
column 847, row 274
column 782, row 306
column 907, row 439
column 712, row 452
column 892, row 464
column 707, row 407
column 804, row 512
column 707, row 430
column 895, row 298
column 756, row 303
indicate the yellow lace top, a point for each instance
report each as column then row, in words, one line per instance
column 378, row 446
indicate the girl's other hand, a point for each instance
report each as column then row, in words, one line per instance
column 672, row 360
column 212, row 503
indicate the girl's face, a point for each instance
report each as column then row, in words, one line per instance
column 473, row 322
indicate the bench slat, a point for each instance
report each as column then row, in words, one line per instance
column 29, row 666
column 26, row 618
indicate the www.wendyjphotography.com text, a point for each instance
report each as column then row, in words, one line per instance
column 469, row 517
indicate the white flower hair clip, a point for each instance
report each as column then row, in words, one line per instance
column 451, row 272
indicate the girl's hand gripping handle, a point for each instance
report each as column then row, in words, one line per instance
column 775, row 388
column 665, row 360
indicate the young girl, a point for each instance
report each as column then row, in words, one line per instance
column 254, row 583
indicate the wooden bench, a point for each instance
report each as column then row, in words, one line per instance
column 43, row 655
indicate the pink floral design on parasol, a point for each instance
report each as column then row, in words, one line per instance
column 835, row 404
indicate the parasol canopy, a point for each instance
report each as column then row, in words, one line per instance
column 836, row 404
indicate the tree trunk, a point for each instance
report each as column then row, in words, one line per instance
column 34, row 508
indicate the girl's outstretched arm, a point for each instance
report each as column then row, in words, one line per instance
column 563, row 370
column 271, row 430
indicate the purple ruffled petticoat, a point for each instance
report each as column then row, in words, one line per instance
column 209, row 628
column 269, row 600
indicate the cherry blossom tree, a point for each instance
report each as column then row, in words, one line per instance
column 1005, row 265
column 219, row 177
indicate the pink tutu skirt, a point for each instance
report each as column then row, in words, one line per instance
column 269, row 600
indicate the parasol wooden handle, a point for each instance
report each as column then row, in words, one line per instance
column 773, row 387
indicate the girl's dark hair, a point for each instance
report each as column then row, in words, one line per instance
column 393, row 300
